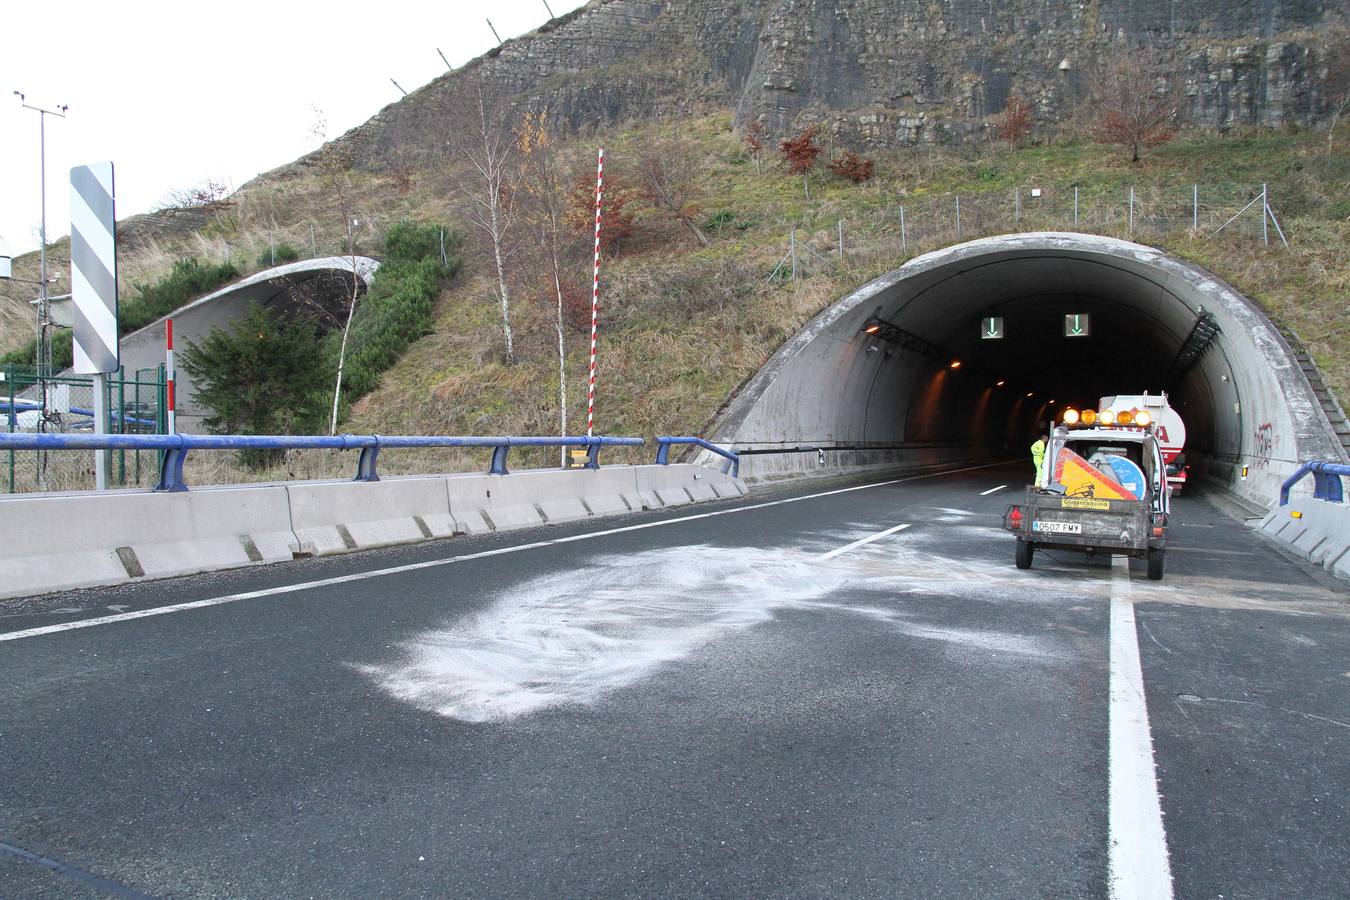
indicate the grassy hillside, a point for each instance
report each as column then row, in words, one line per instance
column 683, row 326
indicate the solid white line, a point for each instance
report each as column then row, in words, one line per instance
column 992, row 490
column 1139, row 866
column 431, row 564
column 867, row 540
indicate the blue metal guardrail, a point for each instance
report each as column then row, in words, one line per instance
column 732, row 467
column 177, row 446
column 1326, row 481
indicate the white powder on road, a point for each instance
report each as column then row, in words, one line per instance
column 571, row 638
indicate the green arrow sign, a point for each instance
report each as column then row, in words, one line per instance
column 991, row 328
column 1076, row 325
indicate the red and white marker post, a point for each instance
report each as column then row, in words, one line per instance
column 168, row 374
column 595, row 290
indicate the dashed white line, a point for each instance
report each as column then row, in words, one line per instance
column 430, row 564
column 992, row 490
column 867, row 540
column 1139, row 865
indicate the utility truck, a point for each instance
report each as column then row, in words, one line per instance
column 1168, row 428
column 1105, row 491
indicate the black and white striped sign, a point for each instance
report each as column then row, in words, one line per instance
column 93, row 267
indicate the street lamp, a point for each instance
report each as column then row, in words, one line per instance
column 44, row 304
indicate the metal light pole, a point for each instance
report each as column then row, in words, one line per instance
column 44, row 299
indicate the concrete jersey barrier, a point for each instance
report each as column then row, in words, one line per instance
column 1313, row 529
column 62, row 541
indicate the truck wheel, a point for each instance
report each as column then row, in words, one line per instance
column 1155, row 565
column 1025, row 549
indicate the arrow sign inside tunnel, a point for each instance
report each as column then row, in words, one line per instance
column 1076, row 325
column 991, row 328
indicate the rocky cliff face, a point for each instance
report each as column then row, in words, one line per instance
column 879, row 70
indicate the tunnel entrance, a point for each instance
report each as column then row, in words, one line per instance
column 960, row 353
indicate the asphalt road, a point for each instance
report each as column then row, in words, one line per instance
column 775, row 699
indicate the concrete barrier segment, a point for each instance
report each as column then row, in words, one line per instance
column 82, row 540
column 1320, row 533
column 335, row 516
column 57, row 542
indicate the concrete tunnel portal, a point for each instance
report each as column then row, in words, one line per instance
column 838, row 397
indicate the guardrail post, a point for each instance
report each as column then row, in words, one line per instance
column 593, row 456
column 1326, row 485
column 365, row 465
column 499, row 460
column 171, row 472
column 663, row 452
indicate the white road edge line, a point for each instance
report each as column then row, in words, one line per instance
column 1138, row 864
column 867, row 540
column 431, row 564
column 992, row 490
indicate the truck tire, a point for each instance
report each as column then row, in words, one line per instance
column 1025, row 550
column 1155, row 564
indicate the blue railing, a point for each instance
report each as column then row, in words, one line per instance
column 1326, row 481
column 733, row 466
column 177, row 446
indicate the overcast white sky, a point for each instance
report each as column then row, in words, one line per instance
column 177, row 93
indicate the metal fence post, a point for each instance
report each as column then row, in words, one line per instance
column 1075, row 206
column 9, row 377
column 904, row 243
column 1265, row 210
column 792, row 243
column 1195, row 209
column 122, row 424
column 1017, row 207
column 1131, row 231
column 958, row 217
column 841, row 241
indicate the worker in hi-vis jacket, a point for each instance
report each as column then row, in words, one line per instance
column 1038, row 456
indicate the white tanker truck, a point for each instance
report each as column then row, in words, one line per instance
column 1168, row 427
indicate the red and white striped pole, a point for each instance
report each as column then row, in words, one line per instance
column 168, row 373
column 595, row 290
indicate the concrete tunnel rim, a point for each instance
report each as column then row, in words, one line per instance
column 1172, row 276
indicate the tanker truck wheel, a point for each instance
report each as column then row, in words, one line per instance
column 1025, row 550
column 1155, row 564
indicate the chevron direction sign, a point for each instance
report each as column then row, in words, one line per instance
column 93, row 267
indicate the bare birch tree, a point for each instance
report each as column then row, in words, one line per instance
column 335, row 165
column 489, row 145
column 545, row 183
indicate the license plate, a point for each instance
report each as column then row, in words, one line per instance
column 1058, row 527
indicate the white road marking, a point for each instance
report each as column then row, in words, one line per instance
column 431, row 564
column 992, row 490
column 1139, row 866
column 867, row 540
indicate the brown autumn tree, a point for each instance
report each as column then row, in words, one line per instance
column 1137, row 96
column 1336, row 80
column 579, row 214
column 669, row 175
column 855, row 168
column 799, row 154
column 1014, row 124
column 754, row 142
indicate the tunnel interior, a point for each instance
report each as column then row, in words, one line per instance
column 904, row 364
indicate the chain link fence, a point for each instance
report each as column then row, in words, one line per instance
column 31, row 401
